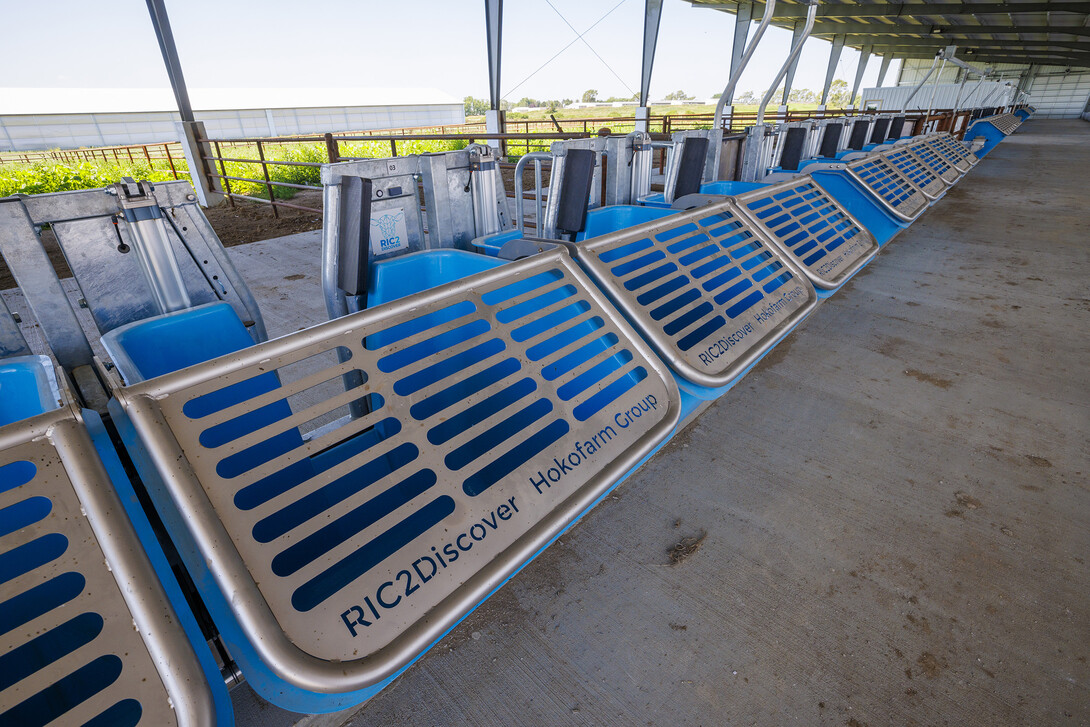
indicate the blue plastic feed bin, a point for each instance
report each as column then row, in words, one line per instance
column 860, row 203
column 600, row 221
column 992, row 136
column 27, row 388
column 604, row 220
column 425, row 354
column 658, row 199
column 156, row 346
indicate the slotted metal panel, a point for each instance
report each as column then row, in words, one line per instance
column 892, row 188
column 500, row 407
column 1006, row 123
column 954, row 152
column 934, row 161
column 705, row 287
column 822, row 237
column 917, row 172
column 88, row 634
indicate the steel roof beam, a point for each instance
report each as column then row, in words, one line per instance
column 1001, row 57
column 894, row 9
column 938, row 42
column 943, row 30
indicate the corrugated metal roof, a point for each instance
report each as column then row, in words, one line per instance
column 1050, row 32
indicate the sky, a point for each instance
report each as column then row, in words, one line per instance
column 413, row 43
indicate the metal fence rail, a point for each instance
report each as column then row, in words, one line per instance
column 162, row 155
column 272, row 170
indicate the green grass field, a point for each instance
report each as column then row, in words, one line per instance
column 58, row 176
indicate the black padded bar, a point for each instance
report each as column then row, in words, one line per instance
column 830, row 142
column 896, row 128
column 859, row 135
column 792, row 148
column 355, row 243
column 571, row 215
column 690, row 171
column 878, row 135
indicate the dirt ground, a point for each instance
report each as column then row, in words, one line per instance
column 253, row 221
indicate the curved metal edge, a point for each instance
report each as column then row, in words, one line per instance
column 677, row 364
column 933, row 194
column 817, row 280
column 963, row 163
column 153, row 615
column 882, row 201
column 246, row 603
column 952, row 174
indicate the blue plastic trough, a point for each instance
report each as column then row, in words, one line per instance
column 496, row 403
column 95, row 630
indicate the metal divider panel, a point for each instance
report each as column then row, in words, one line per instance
column 705, row 287
column 88, row 635
column 498, row 409
column 955, row 152
column 889, row 185
column 934, row 161
column 820, row 236
column 918, row 173
column 1007, row 123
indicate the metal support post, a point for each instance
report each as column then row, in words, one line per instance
column 798, row 37
column 494, row 118
column 652, row 14
column 860, row 69
column 161, row 23
column 882, row 70
column 923, row 80
column 834, row 59
column 738, row 60
column 792, row 59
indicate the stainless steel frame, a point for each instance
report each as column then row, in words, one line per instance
column 894, row 190
column 935, row 161
column 954, row 152
column 140, row 627
column 919, row 173
column 1006, row 123
column 669, row 244
column 312, row 648
column 799, row 219
column 463, row 198
column 95, row 241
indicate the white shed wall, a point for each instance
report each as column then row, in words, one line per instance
column 27, row 132
column 1055, row 91
column 892, row 98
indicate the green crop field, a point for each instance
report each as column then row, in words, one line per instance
column 55, row 175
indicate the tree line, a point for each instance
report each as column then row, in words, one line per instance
column 838, row 97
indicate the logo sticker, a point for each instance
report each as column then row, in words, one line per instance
column 388, row 232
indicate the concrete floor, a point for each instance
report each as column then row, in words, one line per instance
column 894, row 505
